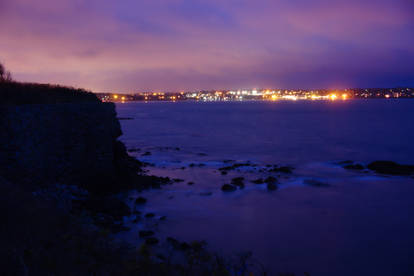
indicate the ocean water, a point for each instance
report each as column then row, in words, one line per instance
column 359, row 224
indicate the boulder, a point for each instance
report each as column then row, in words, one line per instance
column 140, row 200
column 271, row 186
column 238, row 181
column 391, row 168
column 315, row 183
column 228, row 188
column 355, row 167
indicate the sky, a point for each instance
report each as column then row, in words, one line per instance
column 174, row 45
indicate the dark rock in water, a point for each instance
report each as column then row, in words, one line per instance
column 392, row 168
column 146, row 153
column 346, row 162
column 151, row 241
column 163, row 217
column 235, row 166
column 315, row 183
column 283, row 169
column 356, row 167
column 190, row 183
column 201, row 154
column 271, row 186
column 149, row 215
column 206, row 193
column 228, row 188
column 223, row 172
column 258, row 181
column 238, row 181
column 271, row 179
column 183, row 168
column 141, row 200
column 178, row 180
column 192, row 165
column 146, row 233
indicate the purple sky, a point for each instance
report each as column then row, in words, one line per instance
column 130, row 45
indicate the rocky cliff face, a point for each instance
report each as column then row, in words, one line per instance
column 67, row 143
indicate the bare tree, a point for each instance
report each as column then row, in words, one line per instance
column 2, row 71
column 5, row 76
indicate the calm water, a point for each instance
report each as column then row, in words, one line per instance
column 361, row 224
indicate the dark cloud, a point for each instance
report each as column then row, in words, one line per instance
column 201, row 44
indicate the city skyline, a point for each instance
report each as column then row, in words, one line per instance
column 107, row 46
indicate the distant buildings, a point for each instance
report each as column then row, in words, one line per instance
column 261, row 95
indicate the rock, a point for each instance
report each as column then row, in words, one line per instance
column 223, row 172
column 178, row 180
column 271, row 179
column 283, row 169
column 163, row 217
column 346, row 162
column 258, row 181
column 315, row 183
column 356, row 167
column 190, row 183
column 151, row 241
column 147, row 153
column 140, row 200
column 145, row 233
column 271, row 186
column 238, row 181
column 206, row 193
column 228, row 188
column 392, row 168
column 235, row 166
column 149, row 215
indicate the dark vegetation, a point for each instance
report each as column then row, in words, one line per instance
column 12, row 92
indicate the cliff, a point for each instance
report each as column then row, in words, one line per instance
column 62, row 141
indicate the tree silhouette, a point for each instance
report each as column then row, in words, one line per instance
column 5, row 76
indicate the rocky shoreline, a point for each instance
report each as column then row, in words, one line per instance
column 64, row 180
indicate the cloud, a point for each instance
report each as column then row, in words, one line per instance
column 181, row 44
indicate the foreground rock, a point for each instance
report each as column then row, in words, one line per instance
column 271, row 186
column 228, row 188
column 391, row 168
column 315, row 183
column 238, row 181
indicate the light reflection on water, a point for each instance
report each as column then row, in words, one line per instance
column 361, row 223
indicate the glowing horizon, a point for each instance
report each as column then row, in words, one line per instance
column 187, row 45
